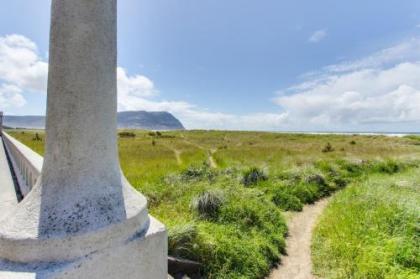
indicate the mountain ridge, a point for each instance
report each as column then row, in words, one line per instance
column 145, row 120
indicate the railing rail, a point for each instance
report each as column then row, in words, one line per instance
column 27, row 164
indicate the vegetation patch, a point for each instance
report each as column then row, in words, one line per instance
column 371, row 229
column 328, row 148
column 127, row 135
column 253, row 176
column 230, row 218
column 207, row 205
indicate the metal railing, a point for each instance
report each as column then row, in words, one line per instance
column 27, row 164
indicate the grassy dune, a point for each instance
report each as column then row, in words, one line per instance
column 223, row 194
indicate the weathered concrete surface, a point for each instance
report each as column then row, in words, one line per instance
column 26, row 163
column 135, row 257
column 83, row 219
column 8, row 198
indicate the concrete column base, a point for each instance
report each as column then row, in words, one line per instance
column 141, row 256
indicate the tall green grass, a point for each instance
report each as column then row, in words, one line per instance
column 371, row 230
column 231, row 217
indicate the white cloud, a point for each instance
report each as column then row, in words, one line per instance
column 22, row 69
column 381, row 89
column 133, row 91
column 137, row 85
column 20, row 64
column 318, row 36
column 11, row 96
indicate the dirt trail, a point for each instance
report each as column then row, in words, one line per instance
column 297, row 264
column 177, row 153
column 178, row 156
column 210, row 153
column 212, row 162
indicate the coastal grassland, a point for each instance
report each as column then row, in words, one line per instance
column 371, row 230
column 222, row 194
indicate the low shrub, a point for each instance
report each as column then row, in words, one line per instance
column 250, row 210
column 181, row 241
column 158, row 134
column 253, row 176
column 196, row 172
column 37, row 137
column 286, row 201
column 339, row 182
column 318, row 180
column 328, row 148
column 306, row 193
column 355, row 169
column 207, row 205
column 389, row 167
column 127, row 135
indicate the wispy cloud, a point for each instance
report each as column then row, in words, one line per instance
column 318, row 36
column 381, row 88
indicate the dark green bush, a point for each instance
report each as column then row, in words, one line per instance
column 37, row 137
column 286, row 201
column 207, row 205
column 253, row 176
column 324, row 188
column 316, row 179
column 354, row 169
column 328, row 148
column 340, row 182
column 389, row 167
column 127, row 135
column 306, row 193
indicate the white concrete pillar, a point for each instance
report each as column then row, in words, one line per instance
column 82, row 211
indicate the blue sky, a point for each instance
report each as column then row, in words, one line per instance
column 242, row 64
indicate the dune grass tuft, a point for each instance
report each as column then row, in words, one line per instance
column 207, row 205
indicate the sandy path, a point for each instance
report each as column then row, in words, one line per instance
column 178, row 156
column 212, row 162
column 210, row 153
column 297, row 264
